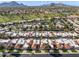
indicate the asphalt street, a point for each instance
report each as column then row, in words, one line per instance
column 46, row 55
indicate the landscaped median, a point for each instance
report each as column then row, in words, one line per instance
column 35, row 52
column 46, row 52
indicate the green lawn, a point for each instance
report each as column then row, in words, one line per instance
column 73, row 50
column 20, row 51
column 64, row 50
column 37, row 51
column 46, row 51
column 11, row 50
column 29, row 50
column 1, row 50
column 56, row 51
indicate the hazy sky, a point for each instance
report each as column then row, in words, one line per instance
column 37, row 3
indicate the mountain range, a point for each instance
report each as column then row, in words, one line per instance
column 11, row 4
column 15, row 4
